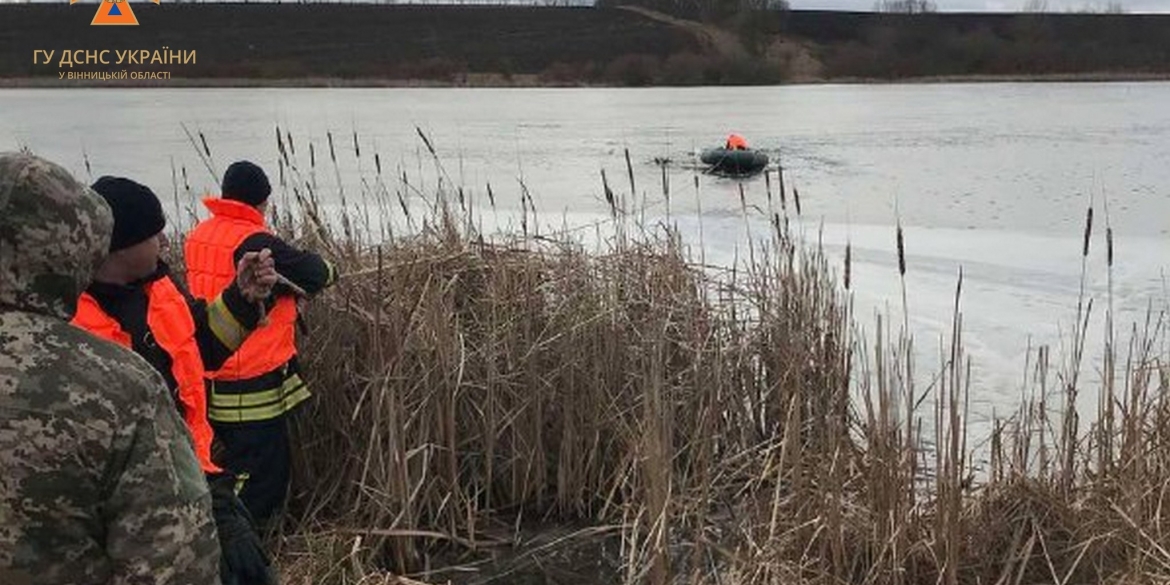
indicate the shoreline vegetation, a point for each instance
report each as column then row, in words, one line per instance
column 540, row 407
column 658, row 43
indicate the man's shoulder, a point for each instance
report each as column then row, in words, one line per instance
column 69, row 369
column 262, row 238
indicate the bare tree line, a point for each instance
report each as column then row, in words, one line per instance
column 905, row 6
column 1030, row 6
column 1041, row 6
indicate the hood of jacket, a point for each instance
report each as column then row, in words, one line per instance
column 54, row 233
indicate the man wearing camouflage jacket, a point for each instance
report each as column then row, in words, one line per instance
column 99, row 483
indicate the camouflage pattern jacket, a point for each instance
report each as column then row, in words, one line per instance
column 98, row 481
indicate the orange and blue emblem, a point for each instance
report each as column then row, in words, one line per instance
column 114, row 12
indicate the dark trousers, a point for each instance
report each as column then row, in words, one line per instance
column 258, row 453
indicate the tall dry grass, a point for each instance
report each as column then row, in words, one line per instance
column 530, row 410
column 468, row 388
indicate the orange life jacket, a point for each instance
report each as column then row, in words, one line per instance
column 736, row 142
column 170, row 322
column 209, row 252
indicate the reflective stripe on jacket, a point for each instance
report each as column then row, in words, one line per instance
column 258, row 399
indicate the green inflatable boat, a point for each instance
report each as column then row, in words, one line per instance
column 734, row 162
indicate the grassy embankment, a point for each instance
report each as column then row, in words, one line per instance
column 526, row 409
column 368, row 44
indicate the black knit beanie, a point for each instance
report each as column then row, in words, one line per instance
column 247, row 183
column 138, row 215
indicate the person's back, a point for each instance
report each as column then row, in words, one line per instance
column 99, row 483
column 255, row 390
column 210, row 254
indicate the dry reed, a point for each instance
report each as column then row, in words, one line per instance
column 524, row 410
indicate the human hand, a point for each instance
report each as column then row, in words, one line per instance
column 242, row 558
column 256, row 275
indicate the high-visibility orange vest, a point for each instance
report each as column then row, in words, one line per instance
column 736, row 142
column 209, row 252
column 170, row 322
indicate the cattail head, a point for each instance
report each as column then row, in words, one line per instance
column 332, row 153
column 796, row 199
column 280, row 145
column 312, row 156
column 203, row 139
column 901, row 252
column 426, row 141
column 378, row 163
column 523, row 215
column 609, row 198
column 630, row 171
column 1088, row 231
column 665, row 183
column 402, row 204
column 1109, row 246
column 357, row 149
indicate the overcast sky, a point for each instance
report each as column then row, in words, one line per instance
column 1133, row 6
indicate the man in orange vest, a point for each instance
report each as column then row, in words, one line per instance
column 736, row 142
column 134, row 302
column 255, row 390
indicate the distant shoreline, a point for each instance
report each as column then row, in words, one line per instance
column 366, row 45
column 534, row 82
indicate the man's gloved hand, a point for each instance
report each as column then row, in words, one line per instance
column 242, row 558
column 256, row 275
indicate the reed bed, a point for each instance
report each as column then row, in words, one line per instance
column 529, row 409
